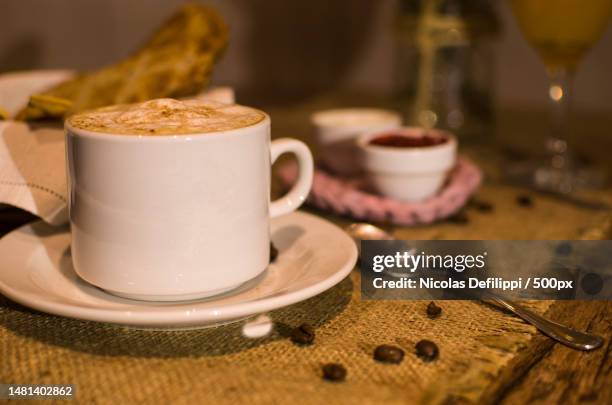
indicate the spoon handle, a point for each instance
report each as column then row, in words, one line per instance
column 566, row 335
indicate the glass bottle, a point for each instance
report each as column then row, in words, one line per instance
column 445, row 64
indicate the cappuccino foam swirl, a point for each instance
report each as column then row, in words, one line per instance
column 166, row 116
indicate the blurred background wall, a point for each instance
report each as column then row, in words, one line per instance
column 280, row 50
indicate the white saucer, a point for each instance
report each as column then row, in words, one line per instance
column 37, row 272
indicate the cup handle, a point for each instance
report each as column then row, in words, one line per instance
column 298, row 193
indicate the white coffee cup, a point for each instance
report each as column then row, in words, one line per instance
column 176, row 217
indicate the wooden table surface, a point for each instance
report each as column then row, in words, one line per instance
column 545, row 372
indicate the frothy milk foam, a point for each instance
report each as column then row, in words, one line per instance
column 166, row 116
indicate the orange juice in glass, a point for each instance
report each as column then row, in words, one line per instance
column 561, row 32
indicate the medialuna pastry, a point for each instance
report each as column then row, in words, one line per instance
column 176, row 62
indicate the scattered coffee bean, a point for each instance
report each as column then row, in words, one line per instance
column 273, row 252
column 482, row 206
column 524, row 200
column 433, row 311
column 388, row 354
column 334, row 372
column 303, row 334
column 427, row 350
column 459, row 218
column 564, row 249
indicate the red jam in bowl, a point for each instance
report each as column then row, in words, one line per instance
column 402, row 141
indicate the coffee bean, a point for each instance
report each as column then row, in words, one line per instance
column 433, row 311
column 524, row 200
column 427, row 350
column 334, row 372
column 303, row 334
column 482, row 206
column 459, row 218
column 564, row 249
column 388, row 354
column 273, row 252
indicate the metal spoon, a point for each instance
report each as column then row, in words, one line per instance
column 561, row 333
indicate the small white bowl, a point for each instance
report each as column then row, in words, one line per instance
column 337, row 130
column 408, row 174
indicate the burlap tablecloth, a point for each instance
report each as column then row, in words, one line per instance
column 111, row 364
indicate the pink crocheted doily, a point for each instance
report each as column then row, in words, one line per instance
column 351, row 198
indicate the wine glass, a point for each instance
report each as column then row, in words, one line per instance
column 561, row 31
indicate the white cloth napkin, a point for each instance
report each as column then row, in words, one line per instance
column 32, row 170
column 33, row 165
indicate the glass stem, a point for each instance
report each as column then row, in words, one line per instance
column 559, row 93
